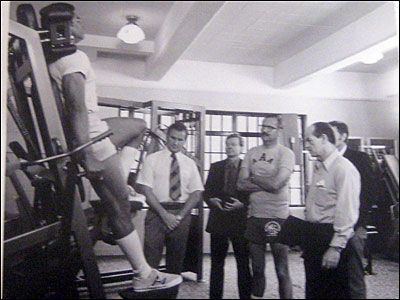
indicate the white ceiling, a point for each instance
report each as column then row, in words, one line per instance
column 264, row 33
column 267, row 32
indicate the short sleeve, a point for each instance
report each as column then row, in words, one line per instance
column 77, row 62
column 80, row 64
column 287, row 160
column 195, row 184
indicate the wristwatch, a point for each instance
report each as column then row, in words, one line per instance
column 179, row 218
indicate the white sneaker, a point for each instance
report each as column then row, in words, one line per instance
column 156, row 281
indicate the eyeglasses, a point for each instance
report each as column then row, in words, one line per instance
column 268, row 127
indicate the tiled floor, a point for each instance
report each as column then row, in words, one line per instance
column 383, row 285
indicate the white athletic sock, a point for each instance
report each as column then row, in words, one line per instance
column 128, row 158
column 133, row 250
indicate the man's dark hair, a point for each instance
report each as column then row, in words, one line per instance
column 341, row 127
column 321, row 128
column 178, row 126
column 236, row 135
column 275, row 116
column 60, row 9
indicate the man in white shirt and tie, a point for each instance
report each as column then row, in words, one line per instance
column 172, row 185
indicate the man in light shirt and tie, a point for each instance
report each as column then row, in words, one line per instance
column 172, row 185
column 333, row 199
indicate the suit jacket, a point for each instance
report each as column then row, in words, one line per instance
column 221, row 222
column 363, row 164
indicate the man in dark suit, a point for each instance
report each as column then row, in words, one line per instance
column 227, row 219
column 363, row 164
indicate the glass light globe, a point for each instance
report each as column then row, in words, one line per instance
column 131, row 34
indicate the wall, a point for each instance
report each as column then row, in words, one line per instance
column 367, row 102
column 244, row 79
column 365, row 118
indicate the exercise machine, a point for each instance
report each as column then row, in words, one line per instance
column 387, row 205
column 58, row 243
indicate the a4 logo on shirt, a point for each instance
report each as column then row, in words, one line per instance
column 263, row 158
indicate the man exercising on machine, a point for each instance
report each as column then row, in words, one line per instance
column 106, row 169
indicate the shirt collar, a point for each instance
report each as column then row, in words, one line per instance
column 168, row 152
column 341, row 152
column 330, row 159
column 233, row 162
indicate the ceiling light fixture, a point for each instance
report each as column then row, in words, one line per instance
column 131, row 33
column 372, row 58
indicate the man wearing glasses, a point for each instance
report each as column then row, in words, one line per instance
column 265, row 173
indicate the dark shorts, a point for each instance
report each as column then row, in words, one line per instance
column 263, row 230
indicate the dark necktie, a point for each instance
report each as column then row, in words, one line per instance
column 174, row 179
column 230, row 179
column 318, row 165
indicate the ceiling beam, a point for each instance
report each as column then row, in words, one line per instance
column 374, row 31
column 182, row 25
column 96, row 43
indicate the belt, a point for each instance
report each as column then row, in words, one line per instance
column 172, row 205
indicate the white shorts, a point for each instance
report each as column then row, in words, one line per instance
column 104, row 148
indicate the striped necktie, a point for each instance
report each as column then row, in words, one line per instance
column 174, row 179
